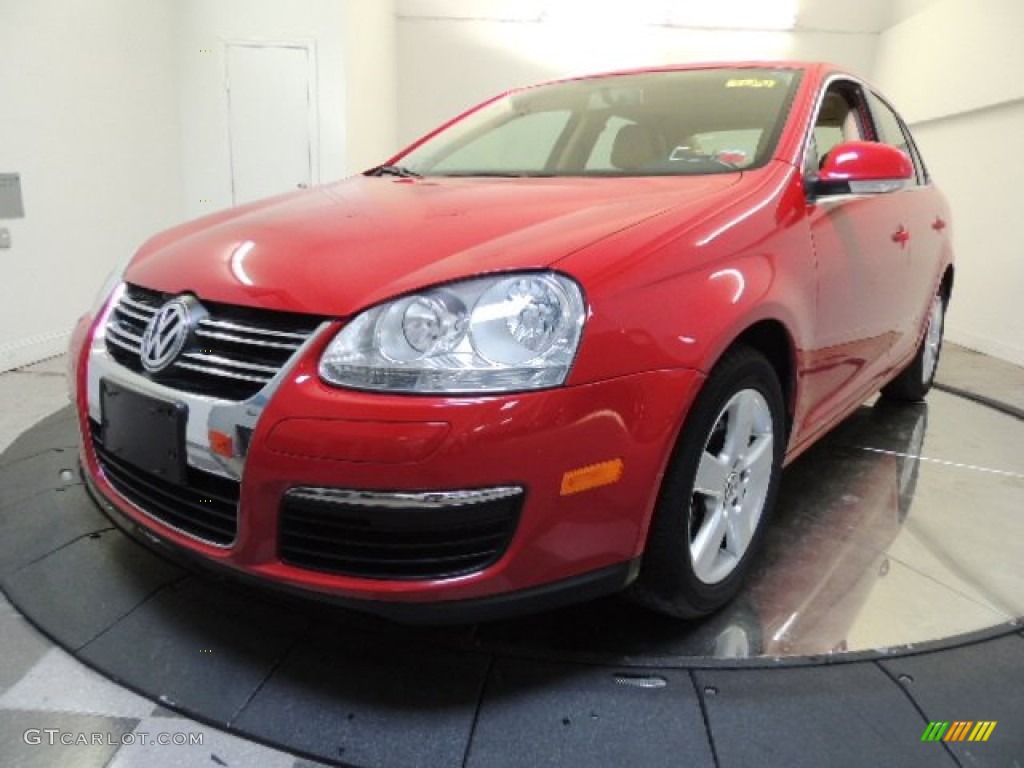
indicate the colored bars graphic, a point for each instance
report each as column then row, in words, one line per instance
column 960, row 730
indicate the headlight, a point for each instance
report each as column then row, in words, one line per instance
column 495, row 334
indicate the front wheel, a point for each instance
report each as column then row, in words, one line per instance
column 719, row 489
column 916, row 379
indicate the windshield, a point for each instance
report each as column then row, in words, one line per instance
column 652, row 124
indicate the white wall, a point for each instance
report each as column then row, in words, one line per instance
column 372, row 76
column 900, row 10
column 953, row 57
column 966, row 109
column 446, row 65
column 115, row 116
column 89, row 117
column 973, row 157
column 355, row 84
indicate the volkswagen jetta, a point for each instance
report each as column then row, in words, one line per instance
column 561, row 347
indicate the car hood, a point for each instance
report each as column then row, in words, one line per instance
column 345, row 246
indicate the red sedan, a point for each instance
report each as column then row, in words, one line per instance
column 560, row 347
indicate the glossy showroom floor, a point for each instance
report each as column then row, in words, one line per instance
column 899, row 532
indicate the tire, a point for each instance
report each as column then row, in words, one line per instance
column 915, row 381
column 718, row 492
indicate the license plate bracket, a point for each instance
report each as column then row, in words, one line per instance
column 144, row 431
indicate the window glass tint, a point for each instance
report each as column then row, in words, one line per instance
column 601, row 156
column 840, row 119
column 891, row 131
column 525, row 141
column 736, row 147
column 657, row 123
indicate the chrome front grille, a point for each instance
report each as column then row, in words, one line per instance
column 232, row 353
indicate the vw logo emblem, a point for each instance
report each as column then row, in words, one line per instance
column 165, row 335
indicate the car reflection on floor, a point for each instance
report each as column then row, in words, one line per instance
column 841, row 506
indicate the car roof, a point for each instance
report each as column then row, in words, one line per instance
column 821, row 68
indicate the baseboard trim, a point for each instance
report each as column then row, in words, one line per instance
column 21, row 352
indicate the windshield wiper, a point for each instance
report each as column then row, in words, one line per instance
column 496, row 175
column 394, row 170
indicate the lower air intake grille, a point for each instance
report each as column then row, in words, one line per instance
column 394, row 535
column 206, row 509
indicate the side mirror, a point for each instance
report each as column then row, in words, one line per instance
column 863, row 168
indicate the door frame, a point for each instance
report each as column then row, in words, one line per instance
column 312, row 94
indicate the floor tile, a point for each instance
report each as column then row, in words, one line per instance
column 973, row 550
column 26, row 399
column 216, row 748
column 94, row 740
column 43, row 523
column 974, row 683
column 21, row 647
column 975, row 372
column 53, row 366
column 90, row 584
column 542, row 714
column 842, row 716
column 198, row 645
column 59, row 683
column 54, row 432
column 900, row 606
column 982, row 438
column 370, row 701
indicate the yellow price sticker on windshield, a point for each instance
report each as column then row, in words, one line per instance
column 751, row 83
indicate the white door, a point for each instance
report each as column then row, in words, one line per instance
column 269, row 120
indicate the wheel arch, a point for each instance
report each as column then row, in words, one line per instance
column 772, row 338
column 946, row 283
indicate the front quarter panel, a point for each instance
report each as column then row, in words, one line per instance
column 680, row 297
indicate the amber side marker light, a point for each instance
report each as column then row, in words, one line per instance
column 592, row 476
column 221, row 444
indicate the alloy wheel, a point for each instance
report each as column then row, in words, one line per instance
column 933, row 339
column 731, row 486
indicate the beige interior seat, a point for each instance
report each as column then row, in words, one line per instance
column 637, row 146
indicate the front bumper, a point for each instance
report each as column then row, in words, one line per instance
column 563, row 546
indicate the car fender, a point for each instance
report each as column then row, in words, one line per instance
column 689, row 286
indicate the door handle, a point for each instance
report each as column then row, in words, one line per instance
column 302, row 185
column 901, row 236
column 939, row 224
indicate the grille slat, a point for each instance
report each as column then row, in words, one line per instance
column 236, row 339
column 206, row 509
column 211, row 370
column 216, row 360
column 140, row 316
column 225, row 326
column 372, row 541
column 435, row 564
column 493, row 539
column 125, row 345
column 125, row 335
column 208, row 503
column 231, row 354
column 139, row 303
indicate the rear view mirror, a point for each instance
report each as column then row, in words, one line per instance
column 863, row 168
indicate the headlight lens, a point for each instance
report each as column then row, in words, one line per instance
column 496, row 334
